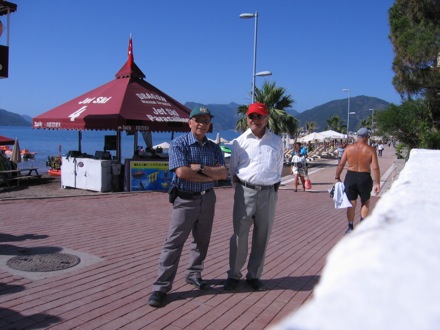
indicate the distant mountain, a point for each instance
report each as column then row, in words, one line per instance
column 12, row 119
column 225, row 115
column 358, row 104
column 292, row 112
column 27, row 118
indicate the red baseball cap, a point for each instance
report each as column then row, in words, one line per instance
column 259, row 108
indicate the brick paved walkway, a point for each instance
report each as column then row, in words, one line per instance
column 119, row 237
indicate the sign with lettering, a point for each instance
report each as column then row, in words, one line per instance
column 149, row 175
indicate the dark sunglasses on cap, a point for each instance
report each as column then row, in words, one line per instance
column 253, row 116
column 199, row 120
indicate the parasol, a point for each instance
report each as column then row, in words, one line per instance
column 16, row 155
column 312, row 137
column 127, row 103
column 6, row 141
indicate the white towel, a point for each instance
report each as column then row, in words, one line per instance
column 339, row 197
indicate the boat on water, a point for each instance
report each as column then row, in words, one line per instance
column 26, row 155
column 54, row 172
column 6, row 150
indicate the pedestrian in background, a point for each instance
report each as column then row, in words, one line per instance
column 197, row 164
column 361, row 160
column 380, row 148
column 255, row 168
column 299, row 167
column 341, row 149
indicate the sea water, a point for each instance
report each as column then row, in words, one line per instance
column 59, row 142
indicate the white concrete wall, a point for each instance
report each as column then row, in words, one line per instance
column 386, row 273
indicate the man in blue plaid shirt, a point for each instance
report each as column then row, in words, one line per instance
column 198, row 164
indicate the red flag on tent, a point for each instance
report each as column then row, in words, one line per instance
column 130, row 52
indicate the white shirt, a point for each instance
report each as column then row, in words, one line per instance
column 257, row 161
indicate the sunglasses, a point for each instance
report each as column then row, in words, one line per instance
column 205, row 121
column 253, row 116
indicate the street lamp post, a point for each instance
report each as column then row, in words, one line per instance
column 254, row 73
column 348, row 112
column 372, row 121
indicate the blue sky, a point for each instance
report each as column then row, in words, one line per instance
column 198, row 51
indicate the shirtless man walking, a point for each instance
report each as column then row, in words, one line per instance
column 358, row 182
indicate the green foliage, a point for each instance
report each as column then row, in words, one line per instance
column 402, row 151
column 336, row 124
column 310, row 126
column 411, row 124
column 415, row 34
column 276, row 102
column 430, row 139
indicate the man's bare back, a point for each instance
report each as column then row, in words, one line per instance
column 360, row 157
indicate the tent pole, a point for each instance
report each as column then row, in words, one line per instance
column 118, row 145
column 79, row 141
column 135, row 143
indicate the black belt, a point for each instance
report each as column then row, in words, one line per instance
column 255, row 187
column 186, row 194
column 201, row 192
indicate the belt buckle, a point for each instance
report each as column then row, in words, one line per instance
column 203, row 192
column 258, row 188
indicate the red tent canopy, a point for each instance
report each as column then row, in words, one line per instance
column 128, row 103
column 6, row 141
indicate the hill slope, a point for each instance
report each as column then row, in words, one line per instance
column 358, row 104
column 12, row 119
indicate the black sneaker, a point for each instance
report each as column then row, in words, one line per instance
column 157, row 299
column 350, row 229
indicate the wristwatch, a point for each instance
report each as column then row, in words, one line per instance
column 201, row 169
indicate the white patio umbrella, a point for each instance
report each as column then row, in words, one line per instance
column 163, row 145
column 330, row 134
column 312, row 137
column 16, row 153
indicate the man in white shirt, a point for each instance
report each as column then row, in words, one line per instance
column 256, row 165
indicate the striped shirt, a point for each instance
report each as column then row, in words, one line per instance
column 186, row 150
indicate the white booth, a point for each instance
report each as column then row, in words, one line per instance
column 88, row 173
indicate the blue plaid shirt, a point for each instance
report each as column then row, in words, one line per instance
column 185, row 150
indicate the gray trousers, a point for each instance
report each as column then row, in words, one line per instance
column 257, row 208
column 187, row 216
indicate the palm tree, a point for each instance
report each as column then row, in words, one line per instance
column 276, row 102
column 365, row 123
column 310, row 126
column 335, row 123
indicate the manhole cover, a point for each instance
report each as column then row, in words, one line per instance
column 43, row 262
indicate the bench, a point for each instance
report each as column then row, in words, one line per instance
column 7, row 178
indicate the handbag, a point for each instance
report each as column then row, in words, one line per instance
column 308, row 184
